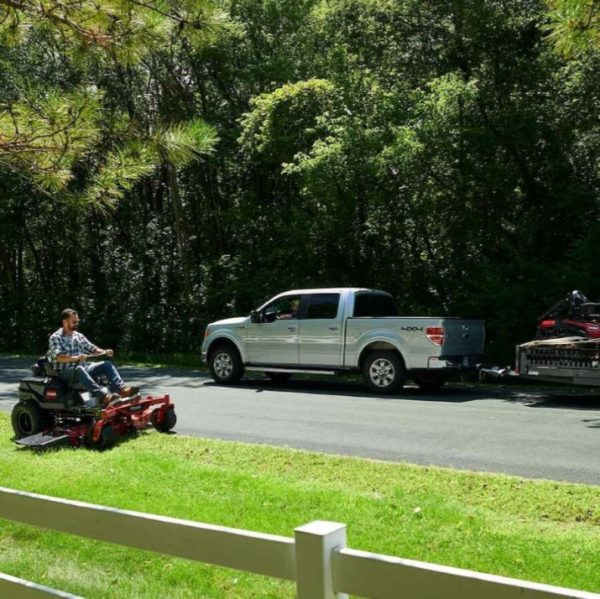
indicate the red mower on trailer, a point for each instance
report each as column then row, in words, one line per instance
column 50, row 412
column 573, row 316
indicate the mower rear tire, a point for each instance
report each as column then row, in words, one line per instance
column 28, row 419
column 168, row 422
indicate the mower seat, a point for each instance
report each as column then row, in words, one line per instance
column 48, row 369
column 50, row 372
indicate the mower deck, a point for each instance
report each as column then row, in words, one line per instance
column 44, row 440
column 98, row 427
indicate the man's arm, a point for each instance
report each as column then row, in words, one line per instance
column 57, row 353
column 65, row 359
column 94, row 350
column 108, row 352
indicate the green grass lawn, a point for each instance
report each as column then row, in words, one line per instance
column 541, row 531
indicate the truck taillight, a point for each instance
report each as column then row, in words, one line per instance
column 435, row 335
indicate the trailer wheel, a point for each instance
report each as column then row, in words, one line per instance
column 430, row 380
column 167, row 423
column 28, row 419
column 225, row 365
column 106, row 439
column 384, row 371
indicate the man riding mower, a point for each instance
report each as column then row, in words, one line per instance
column 51, row 412
column 70, row 399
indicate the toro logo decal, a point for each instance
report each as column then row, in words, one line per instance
column 50, row 394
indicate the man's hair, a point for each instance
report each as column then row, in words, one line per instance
column 67, row 313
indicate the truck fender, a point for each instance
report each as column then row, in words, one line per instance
column 226, row 337
column 379, row 342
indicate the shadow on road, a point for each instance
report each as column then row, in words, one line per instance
column 12, row 370
column 450, row 394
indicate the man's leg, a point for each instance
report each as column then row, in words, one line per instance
column 80, row 375
column 107, row 369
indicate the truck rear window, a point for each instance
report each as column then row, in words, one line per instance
column 374, row 304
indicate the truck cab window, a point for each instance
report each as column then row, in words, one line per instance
column 283, row 308
column 374, row 305
column 323, row 306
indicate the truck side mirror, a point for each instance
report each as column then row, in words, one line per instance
column 255, row 316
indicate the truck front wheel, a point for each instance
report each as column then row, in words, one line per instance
column 225, row 365
column 384, row 371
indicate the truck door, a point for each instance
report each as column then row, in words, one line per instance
column 321, row 330
column 274, row 340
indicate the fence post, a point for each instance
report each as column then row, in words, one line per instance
column 315, row 543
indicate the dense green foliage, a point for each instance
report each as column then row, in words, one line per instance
column 445, row 151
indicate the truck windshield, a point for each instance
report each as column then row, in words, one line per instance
column 374, row 304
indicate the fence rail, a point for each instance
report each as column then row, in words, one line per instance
column 316, row 558
column 17, row 588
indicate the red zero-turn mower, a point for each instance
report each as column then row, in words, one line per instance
column 50, row 412
column 573, row 316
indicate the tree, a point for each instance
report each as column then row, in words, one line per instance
column 56, row 123
column 574, row 25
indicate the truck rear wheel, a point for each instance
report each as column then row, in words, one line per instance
column 225, row 365
column 384, row 371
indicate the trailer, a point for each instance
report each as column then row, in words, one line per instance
column 566, row 360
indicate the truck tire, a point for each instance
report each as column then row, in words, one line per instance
column 225, row 365
column 384, row 371
column 430, row 380
column 27, row 419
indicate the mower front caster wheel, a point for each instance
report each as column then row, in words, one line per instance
column 105, row 441
column 168, row 421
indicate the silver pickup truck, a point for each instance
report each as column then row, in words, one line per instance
column 328, row 331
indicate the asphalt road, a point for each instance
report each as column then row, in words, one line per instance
column 551, row 434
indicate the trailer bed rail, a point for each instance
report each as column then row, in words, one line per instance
column 571, row 360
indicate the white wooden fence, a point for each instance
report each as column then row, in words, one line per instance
column 316, row 558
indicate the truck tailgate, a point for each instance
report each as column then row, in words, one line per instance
column 463, row 337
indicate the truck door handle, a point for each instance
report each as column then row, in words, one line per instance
column 334, row 328
column 291, row 329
